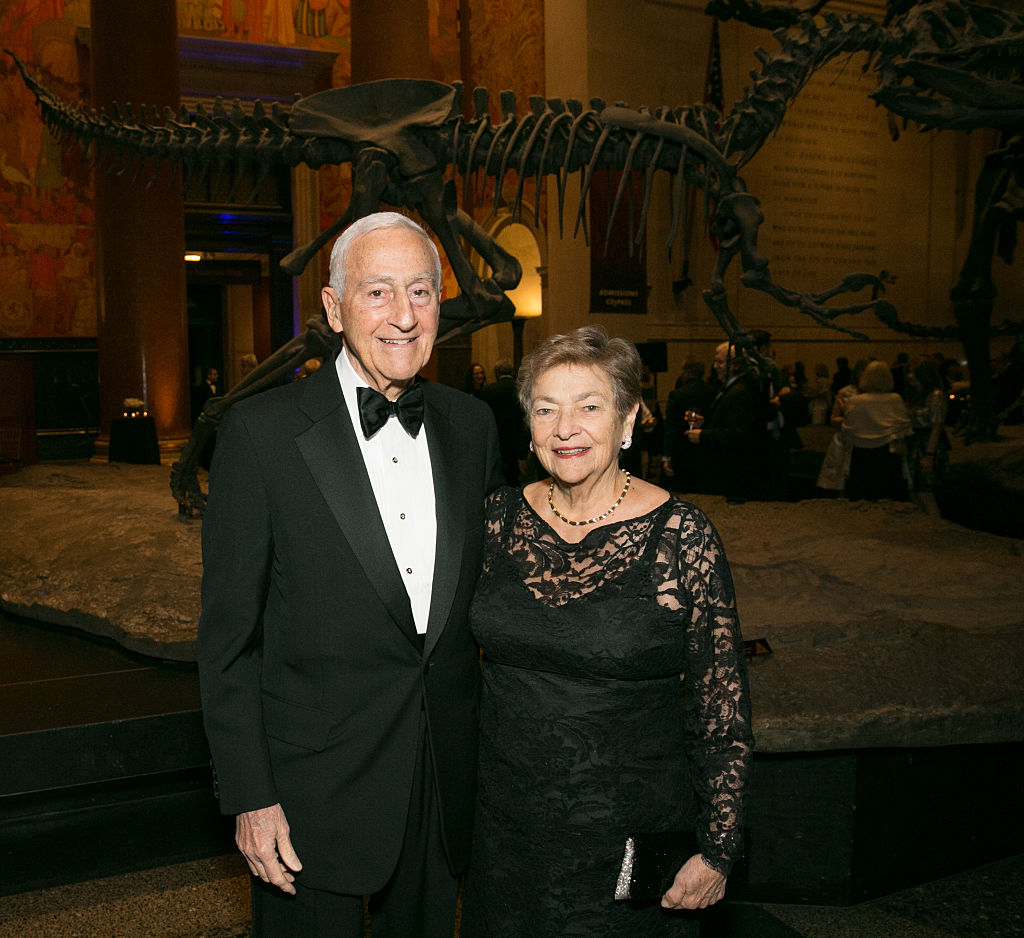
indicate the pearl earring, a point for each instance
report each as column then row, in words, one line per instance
column 627, row 442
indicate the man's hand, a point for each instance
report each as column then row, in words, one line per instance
column 263, row 837
column 693, row 436
column 696, row 886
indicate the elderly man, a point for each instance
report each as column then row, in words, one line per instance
column 341, row 545
column 731, row 438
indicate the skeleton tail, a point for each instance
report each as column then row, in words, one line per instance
column 227, row 140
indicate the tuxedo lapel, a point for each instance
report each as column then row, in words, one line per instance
column 332, row 453
column 449, row 500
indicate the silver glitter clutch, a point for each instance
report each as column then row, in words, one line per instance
column 650, row 863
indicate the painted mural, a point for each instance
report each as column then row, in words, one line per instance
column 507, row 47
column 47, row 244
column 46, row 221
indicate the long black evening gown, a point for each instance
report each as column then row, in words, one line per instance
column 584, row 739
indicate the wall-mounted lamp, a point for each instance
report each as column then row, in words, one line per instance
column 193, row 256
column 520, row 242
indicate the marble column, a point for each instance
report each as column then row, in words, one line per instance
column 142, row 320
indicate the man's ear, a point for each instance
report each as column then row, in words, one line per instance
column 332, row 306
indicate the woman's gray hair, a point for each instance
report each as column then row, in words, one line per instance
column 366, row 224
column 877, row 378
column 588, row 345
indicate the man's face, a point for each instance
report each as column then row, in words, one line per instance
column 212, row 375
column 390, row 308
column 721, row 362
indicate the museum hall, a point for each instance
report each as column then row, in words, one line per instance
column 796, row 190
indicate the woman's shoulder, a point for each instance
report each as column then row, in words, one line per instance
column 695, row 525
column 500, row 499
column 685, row 513
column 874, row 399
column 676, row 514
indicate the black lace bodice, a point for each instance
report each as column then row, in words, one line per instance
column 583, row 736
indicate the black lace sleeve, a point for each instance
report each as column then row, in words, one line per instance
column 499, row 508
column 695, row 580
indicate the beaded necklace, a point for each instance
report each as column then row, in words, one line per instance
column 601, row 517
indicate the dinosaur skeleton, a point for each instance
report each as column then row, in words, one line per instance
column 406, row 140
column 946, row 66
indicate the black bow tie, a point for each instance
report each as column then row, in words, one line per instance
column 375, row 409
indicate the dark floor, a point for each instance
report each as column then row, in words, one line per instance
column 54, row 683
column 209, row 899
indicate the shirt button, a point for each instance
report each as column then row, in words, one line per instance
column 402, row 516
column 408, row 569
column 394, row 459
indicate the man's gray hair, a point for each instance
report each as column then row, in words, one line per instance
column 366, row 224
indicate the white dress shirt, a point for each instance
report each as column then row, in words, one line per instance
column 399, row 470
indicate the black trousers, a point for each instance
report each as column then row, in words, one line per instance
column 874, row 474
column 417, row 902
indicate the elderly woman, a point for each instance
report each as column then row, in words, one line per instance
column 875, row 423
column 598, row 591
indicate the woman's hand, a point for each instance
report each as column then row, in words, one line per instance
column 696, row 886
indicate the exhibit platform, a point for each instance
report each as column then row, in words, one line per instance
column 110, row 852
column 103, row 763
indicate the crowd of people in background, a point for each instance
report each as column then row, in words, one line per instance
column 891, row 437
column 730, row 429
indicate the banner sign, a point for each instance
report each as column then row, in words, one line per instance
column 618, row 275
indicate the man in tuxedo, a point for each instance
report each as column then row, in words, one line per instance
column 341, row 545
column 201, row 394
column 731, row 438
column 203, row 391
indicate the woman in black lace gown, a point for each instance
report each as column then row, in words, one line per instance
column 598, row 592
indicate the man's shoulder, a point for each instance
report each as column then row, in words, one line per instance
column 282, row 396
column 745, row 384
column 287, row 407
column 500, row 393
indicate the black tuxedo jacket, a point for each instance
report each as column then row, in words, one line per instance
column 733, row 441
column 314, row 680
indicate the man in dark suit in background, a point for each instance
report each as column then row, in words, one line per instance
column 203, row 391
column 688, row 401
column 500, row 395
column 341, row 548
column 201, row 394
column 731, row 438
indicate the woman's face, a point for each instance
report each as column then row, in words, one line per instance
column 577, row 433
column 479, row 376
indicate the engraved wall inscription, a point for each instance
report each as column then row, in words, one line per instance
column 840, row 196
